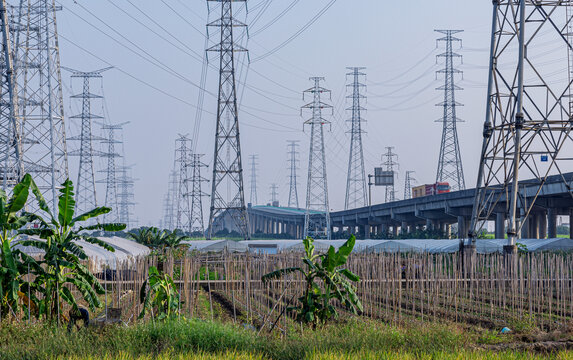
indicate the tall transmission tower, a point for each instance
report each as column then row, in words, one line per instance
column 126, row 198
column 450, row 167
column 38, row 75
column 293, row 167
column 183, row 201
column 527, row 128
column 11, row 168
column 410, row 180
column 254, row 163
column 169, row 219
column 111, row 178
column 390, row 164
column 86, row 198
column 274, row 194
column 356, row 180
column 197, row 224
column 228, row 173
column 317, row 215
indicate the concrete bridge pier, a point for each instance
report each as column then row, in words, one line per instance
column 500, row 225
column 462, row 227
column 551, row 223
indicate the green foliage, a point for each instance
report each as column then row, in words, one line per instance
column 10, row 265
column 160, row 240
column 61, row 267
column 159, row 295
column 188, row 339
column 325, row 281
column 522, row 248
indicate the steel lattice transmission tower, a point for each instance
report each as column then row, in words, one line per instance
column 111, row 178
column 183, row 164
column 254, row 164
column 317, row 215
column 11, row 168
column 390, row 164
column 228, row 173
column 450, row 167
column 274, row 194
column 197, row 224
column 293, row 167
column 41, row 110
column 408, row 182
column 86, row 198
column 126, row 198
column 356, row 180
column 527, row 128
column 168, row 202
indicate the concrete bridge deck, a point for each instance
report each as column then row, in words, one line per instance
column 436, row 212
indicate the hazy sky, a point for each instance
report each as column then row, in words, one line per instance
column 157, row 48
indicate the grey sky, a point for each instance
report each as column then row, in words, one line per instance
column 395, row 41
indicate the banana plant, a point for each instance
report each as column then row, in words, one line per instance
column 10, row 221
column 61, row 267
column 326, row 280
column 159, row 295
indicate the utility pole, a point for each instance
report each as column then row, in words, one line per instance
column 12, row 166
column 254, row 162
column 450, row 167
column 356, row 180
column 390, row 164
column 317, row 215
column 197, row 224
column 85, row 186
column 527, row 128
column 293, row 167
column 111, row 178
column 38, row 75
column 408, row 184
column 183, row 163
column 227, row 173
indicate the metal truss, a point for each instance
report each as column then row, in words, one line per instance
column 356, row 179
column 317, row 215
column 527, row 129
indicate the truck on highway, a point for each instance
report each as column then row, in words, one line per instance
column 430, row 189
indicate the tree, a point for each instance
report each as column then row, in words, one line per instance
column 61, row 264
column 325, row 281
column 10, row 222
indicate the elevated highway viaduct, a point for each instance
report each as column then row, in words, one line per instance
column 437, row 212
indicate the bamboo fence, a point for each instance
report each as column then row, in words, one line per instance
column 485, row 290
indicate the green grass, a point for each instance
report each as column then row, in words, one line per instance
column 195, row 339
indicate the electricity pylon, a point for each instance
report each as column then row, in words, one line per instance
column 126, row 198
column 527, row 128
column 168, row 202
column 356, row 180
column 111, row 178
column 197, row 224
column 86, row 198
column 41, row 109
column 317, row 215
column 11, row 168
column 450, row 167
column 293, row 167
column 254, row 163
column 274, row 193
column 183, row 201
column 408, row 185
column 390, row 164
column 227, row 173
